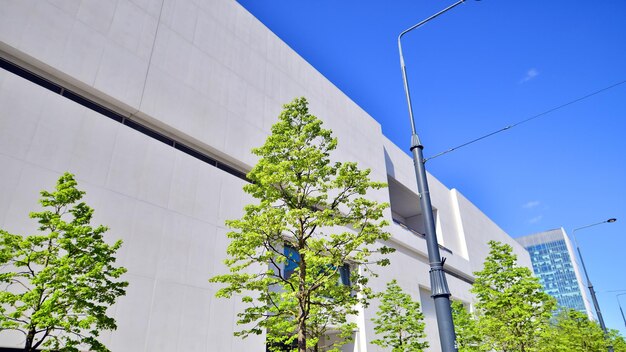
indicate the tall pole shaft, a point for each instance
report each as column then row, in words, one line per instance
column 593, row 296
column 620, row 307
column 593, row 292
column 438, row 283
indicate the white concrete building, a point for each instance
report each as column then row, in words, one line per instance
column 155, row 105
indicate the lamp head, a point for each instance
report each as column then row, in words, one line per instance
column 612, row 220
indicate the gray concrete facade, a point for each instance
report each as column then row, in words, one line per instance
column 207, row 75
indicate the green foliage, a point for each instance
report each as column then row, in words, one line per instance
column 59, row 284
column 318, row 208
column 514, row 314
column 400, row 321
column 617, row 341
column 573, row 331
column 511, row 305
column 468, row 335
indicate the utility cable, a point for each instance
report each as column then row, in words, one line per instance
column 526, row 120
column 611, row 291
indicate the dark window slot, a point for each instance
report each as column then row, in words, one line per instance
column 92, row 105
column 232, row 171
column 196, row 154
column 148, row 132
column 30, row 76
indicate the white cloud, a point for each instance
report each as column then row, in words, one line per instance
column 530, row 74
column 531, row 204
column 535, row 220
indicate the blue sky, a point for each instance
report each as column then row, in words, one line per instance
column 478, row 68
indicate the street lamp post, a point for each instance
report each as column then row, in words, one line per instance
column 589, row 284
column 438, row 284
column 620, row 306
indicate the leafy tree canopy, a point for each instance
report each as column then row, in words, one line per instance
column 399, row 321
column 57, row 285
column 468, row 335
column 573, row 331
column 617, row 340
column 312, row 216
column 512, row 307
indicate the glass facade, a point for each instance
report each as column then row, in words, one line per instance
column 553, row 266
column 553, row 263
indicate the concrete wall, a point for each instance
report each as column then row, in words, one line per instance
column 166, row 206
column 479, row 229
column 208, row 74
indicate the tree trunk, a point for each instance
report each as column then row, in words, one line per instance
column 303, row 299
column 301, row 336
column 30, row 337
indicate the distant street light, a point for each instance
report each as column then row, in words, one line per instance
column 620, row 306
column 438, row 284
column 589, row 285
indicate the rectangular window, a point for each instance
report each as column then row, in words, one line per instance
column 293, row 258
column 344, row 275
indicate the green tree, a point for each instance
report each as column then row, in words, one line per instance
column 468, row 336
column 511, row 305
column 289, row 250
column 617, row 341
column 573, row 331
column 400, row 321
column 59, row 284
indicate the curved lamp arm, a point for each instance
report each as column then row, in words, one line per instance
column 406, row 83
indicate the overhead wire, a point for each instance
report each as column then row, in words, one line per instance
column 526, row 120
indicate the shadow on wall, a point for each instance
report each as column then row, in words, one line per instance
column 389, row 165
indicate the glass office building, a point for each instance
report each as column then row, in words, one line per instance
column 553, row 259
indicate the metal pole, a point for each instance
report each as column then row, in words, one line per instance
column 438, row 284
column 589, row 284
column 592, row 291
column 620, row 306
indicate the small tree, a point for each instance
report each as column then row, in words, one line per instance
column 617, row 340
column 512, row 307
column 573, row 331
column 59, row 284
column 400, row 321
column 288, row 251
column 468, row 336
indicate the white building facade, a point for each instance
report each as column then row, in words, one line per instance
column 155, row 105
